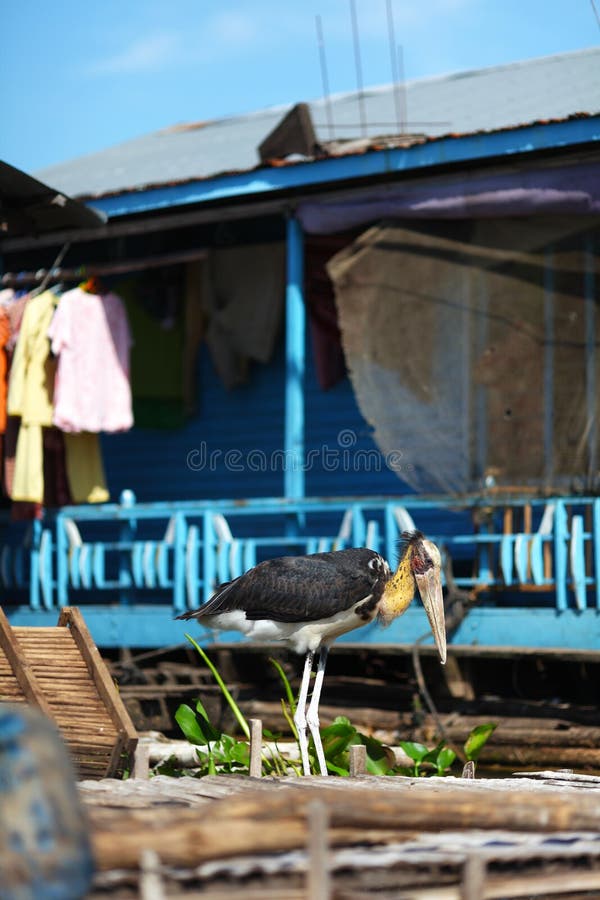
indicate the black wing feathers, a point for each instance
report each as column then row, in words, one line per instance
column 300, row 588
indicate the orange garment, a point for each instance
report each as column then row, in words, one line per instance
column 4, row 336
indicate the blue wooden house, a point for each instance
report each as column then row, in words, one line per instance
column 345, row 323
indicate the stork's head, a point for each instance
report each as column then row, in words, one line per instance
column 420, row 566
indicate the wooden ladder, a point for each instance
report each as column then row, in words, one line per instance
column 59, row 670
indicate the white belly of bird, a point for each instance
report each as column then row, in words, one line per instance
column 300, row 636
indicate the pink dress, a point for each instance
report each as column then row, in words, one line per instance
column 90, row 335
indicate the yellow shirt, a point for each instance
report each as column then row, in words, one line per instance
column 31, row 384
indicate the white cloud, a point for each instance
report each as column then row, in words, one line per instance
column 248, row 29
column 229, row 28
column 147, row 54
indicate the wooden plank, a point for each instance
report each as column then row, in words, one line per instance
column 40, row 630
column 72, row 618
column 318, row 884
column 123, row 746
column 20, row 666
column 567, row 884
column 255, row 748
column 358, row 760
column 415, row 805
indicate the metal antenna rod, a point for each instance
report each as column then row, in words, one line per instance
column 359, row 81
column 394, row 66
column 324, row 77
column 402, row 89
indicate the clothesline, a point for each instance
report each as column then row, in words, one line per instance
column 16, row 279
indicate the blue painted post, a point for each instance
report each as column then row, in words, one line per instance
column 179, row 547
column 481, row 411
column 590, row 357
column 484, row 574
column 359, row 529
column 34, row 567
column 209, row 568
column 549, row 366
column 561, row 534
column 596, row 540
column 46, row 568
column 295, row 328
column 127, row 533
column 62, row 563
column 391, row 534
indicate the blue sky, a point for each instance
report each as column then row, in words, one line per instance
column 77, row 77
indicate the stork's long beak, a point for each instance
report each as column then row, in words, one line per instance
column 430, row 589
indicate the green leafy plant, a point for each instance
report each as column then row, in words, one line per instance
column 438, row 760
column 477, row 740
column 220, row 752
column 221, row 749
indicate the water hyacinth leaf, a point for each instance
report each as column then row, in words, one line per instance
column 444, row 760
column 240, row 753
column 337, row 737
column 380, row 758
column 212, row 733
column 336, row 770
column 192, row 726
column 432, row 755
column 414, row 750
column 341, row 720
column 477, row 740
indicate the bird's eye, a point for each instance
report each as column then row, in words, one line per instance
column 421, row 563
column 374, row 563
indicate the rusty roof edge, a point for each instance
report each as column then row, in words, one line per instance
column 168, row 209
column 344, row 148
column 450, row 149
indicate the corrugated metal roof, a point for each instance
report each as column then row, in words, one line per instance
column 552, row 87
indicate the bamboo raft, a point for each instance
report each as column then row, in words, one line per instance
column 291, row 838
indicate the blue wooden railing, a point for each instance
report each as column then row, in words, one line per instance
column 518, row 553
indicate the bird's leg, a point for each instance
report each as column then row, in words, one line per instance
column 300, row 714
column 312, row 716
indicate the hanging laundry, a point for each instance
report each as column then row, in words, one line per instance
column 244, row 307
column 153, row 304
column 4, row 338
column 15, row 310
column 10, row 452
column 57, row 491
column 30, row 394
column 90, row 336
column 85, row 470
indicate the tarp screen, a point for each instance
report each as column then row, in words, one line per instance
column 473, row 349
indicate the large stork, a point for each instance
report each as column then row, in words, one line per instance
column 306, row 602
